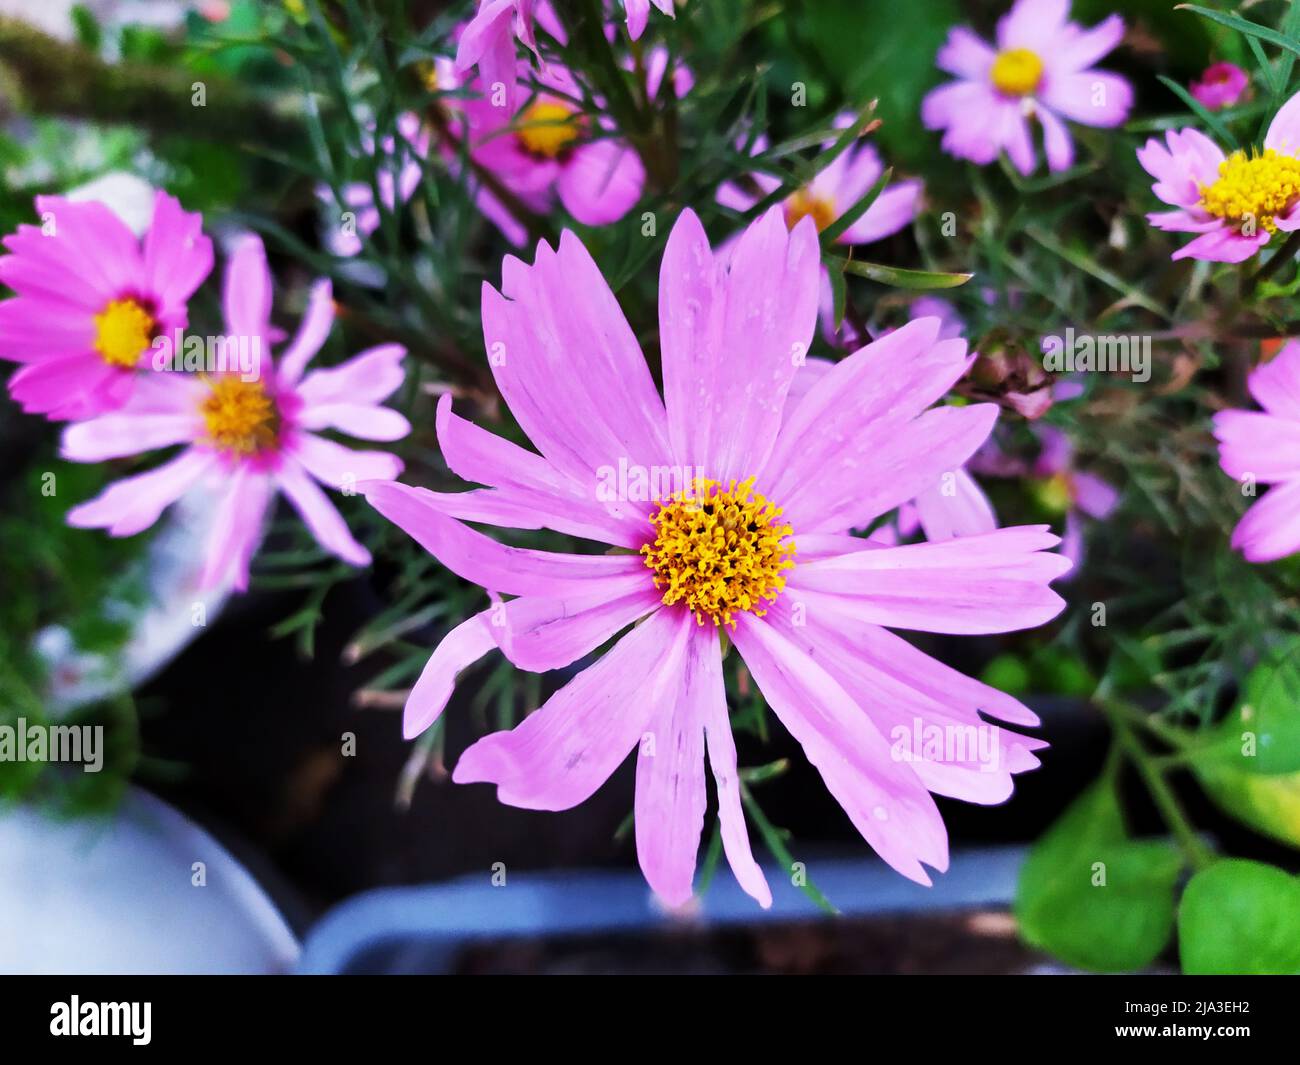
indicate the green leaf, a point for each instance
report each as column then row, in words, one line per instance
column 1241, row 918
column 841, row 225
column 1269, row 805
column 897, row 276
column 1241, row 25
column 1216, row 124
column 1262, row 734
column 1093, row 897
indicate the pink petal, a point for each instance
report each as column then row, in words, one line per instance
column 560, row 754
column 370, row 377
column 670, row 794
column 1092, row 98
column 246, row 293
column 1225, row 245
column 362, row 420
column 1033, row 24
column 1262, row 446
column 1270, row 529
column 177, row 256
column 33, row 328
column 92, row 244
column 319, row 514
column 459, row 649
column 601, row 181
column 77, row 387
column 1187, row 160
column 340, row 467
column 883, row 798
column 955, row 507
column 893, row 209
column 1276, row 384
column 236, row 529
column 992, row 582
column 965, row 55
column 1283, row 134
column 112, row 436
column 1088, row 46
column 128, row 506
column 1058, row 146
column 483, row 561
column 317, row 320
column 733, row 335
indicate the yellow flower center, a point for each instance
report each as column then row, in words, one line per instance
column 804, row 204
column 1016, row 72
column 548, row 128
column 123, row 330
column 719, row 550
column 241, row 418
column 1250, row 190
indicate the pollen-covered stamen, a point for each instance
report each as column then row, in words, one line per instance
column 1252, row 190
column 123, row 331
column 1016, row 72
column 240, row 417
column 549, row 128
column 719, row 550
column 806, row 204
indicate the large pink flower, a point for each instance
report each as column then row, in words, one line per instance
column 1263, row 447
column 1041, row 68
column 91, row 300
column 247, row 436
column 549, row 149
column 729, row 509
column 1235, row 202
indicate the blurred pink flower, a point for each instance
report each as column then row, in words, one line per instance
column 1041, row 68
column 92, row 298
column 715, row 554
column 247, row 436
column 397, row 177
column 549, row 149
column 832, row 192
column 1222, row 85
column 1234, row 202
column 488, row 40
column 1263, row 447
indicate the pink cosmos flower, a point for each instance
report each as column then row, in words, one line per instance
column 1041, row 68
column 247, row 436
column 832, row 192
column 92, row 298
column 548, row 149
column 488, row 40
column 753, row 540
column 1222, row 85
column 1261, row 447
column 397, row 179
column 1235, row 202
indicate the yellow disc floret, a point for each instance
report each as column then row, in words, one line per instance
column 804, row 204
column 1251, row 190
column 548, row 128
column 719, row 550
column 1016, row 72
column 241, row 418
column 123, row 330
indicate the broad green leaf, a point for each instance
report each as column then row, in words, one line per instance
column 1262, row 734
column 1270, row 805
column 1240, row 917
column 1093, row 897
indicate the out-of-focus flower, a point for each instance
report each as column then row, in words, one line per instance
column 832, row 192
column 750, row 539
column 1263, row 447
column 488, row 40
column 248, row 435
column 1235, row 202
column 92, row 298
column 1063, row 489
column 1222, row 85
column 397, row 177
column 550, row 148
column 1041, row 68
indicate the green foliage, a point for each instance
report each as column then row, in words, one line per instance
column 1240, row 917
column 1094, row 897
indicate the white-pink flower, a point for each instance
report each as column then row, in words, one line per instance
column 247, row 436
column 1040, row 69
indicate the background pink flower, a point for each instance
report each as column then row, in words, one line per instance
column 92, row 298
column 1222, row 85
column 245, row 439
column 1041, row 68
column 856, row 445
